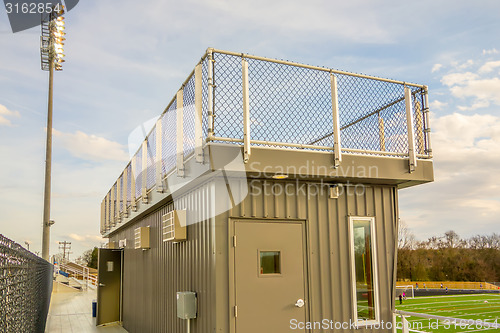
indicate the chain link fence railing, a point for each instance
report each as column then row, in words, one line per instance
column 151, row 160
column 290, row 106
column 169, row 134
column 25, row 289
column 189, row 114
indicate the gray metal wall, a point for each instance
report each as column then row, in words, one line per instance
column 200, row 264
column 152, row 277
column 330, row 283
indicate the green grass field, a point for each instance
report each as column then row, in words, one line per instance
column 477, row 307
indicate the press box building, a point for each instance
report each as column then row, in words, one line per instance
column 265, row 199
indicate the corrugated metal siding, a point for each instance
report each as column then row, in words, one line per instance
column 152, row 277
column 328, row 243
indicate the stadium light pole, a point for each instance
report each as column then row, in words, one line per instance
column 51, row 54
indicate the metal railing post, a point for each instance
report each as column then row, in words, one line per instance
column 404, row 324
column 412, row 156
column 336, row 122
column 180, row 134
column 381, row 132
column 118, row 199
column 144, row 171
column 86, row 271
column 107, row 220
column 133, row 176
column 419, row 128
column 158, row 159
column 427, row 129
column 210, row 95
column 198, row 129
column 246, row 112
column 113, row 207
column 124, row 193
column 103, row 214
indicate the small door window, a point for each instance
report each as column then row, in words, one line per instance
column 270, row 262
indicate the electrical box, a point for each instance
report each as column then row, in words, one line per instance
column 141, row 238
column 334, row 191
column 122, row 243
column 174, row 226
column 186, row 304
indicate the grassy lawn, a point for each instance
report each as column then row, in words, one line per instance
column 477, row 307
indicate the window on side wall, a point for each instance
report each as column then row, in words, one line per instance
column 364, row 270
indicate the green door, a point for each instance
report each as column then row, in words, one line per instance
column 270, row 288
column 109, row 287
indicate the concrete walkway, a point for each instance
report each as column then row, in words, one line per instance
column 72, row 312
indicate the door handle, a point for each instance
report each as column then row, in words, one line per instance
column 102, row 285
column 300, row 303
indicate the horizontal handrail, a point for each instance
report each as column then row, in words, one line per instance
column 305, row 146
column 323, row 69
column 79, row 270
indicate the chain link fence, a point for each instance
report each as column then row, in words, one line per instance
column 189, row 114
column 151, row 160
column 169, row 141
column 293, row 104
column 25, row 289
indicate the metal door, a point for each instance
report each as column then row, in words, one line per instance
column 270, row 289
column 109, row 287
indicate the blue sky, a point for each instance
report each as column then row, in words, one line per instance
column 126, row 60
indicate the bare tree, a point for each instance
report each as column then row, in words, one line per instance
column 406, row 239
column 452, row 239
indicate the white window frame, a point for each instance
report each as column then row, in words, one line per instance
column 364, row 322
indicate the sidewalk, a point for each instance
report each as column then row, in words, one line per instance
column 72, row 312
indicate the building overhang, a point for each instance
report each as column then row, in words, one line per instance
column 227, row 161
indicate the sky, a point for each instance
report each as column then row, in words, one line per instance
column 125, row 60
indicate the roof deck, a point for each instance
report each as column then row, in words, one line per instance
column 270, row 118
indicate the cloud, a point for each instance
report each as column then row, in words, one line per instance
column 489, row 66
column 492, row 51
column 436, row 67
column 481, row 87
column 82, row 238
column 4, row 113
column 458, row 78
column 467, row 181
column 85, row 241
column 300, row 17
column 91, row 147
column 466, row 64
column 437, row 105
column 457, row 135
column 483, row 90
column 476, row 105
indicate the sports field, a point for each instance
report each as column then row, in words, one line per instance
column 484, row 307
